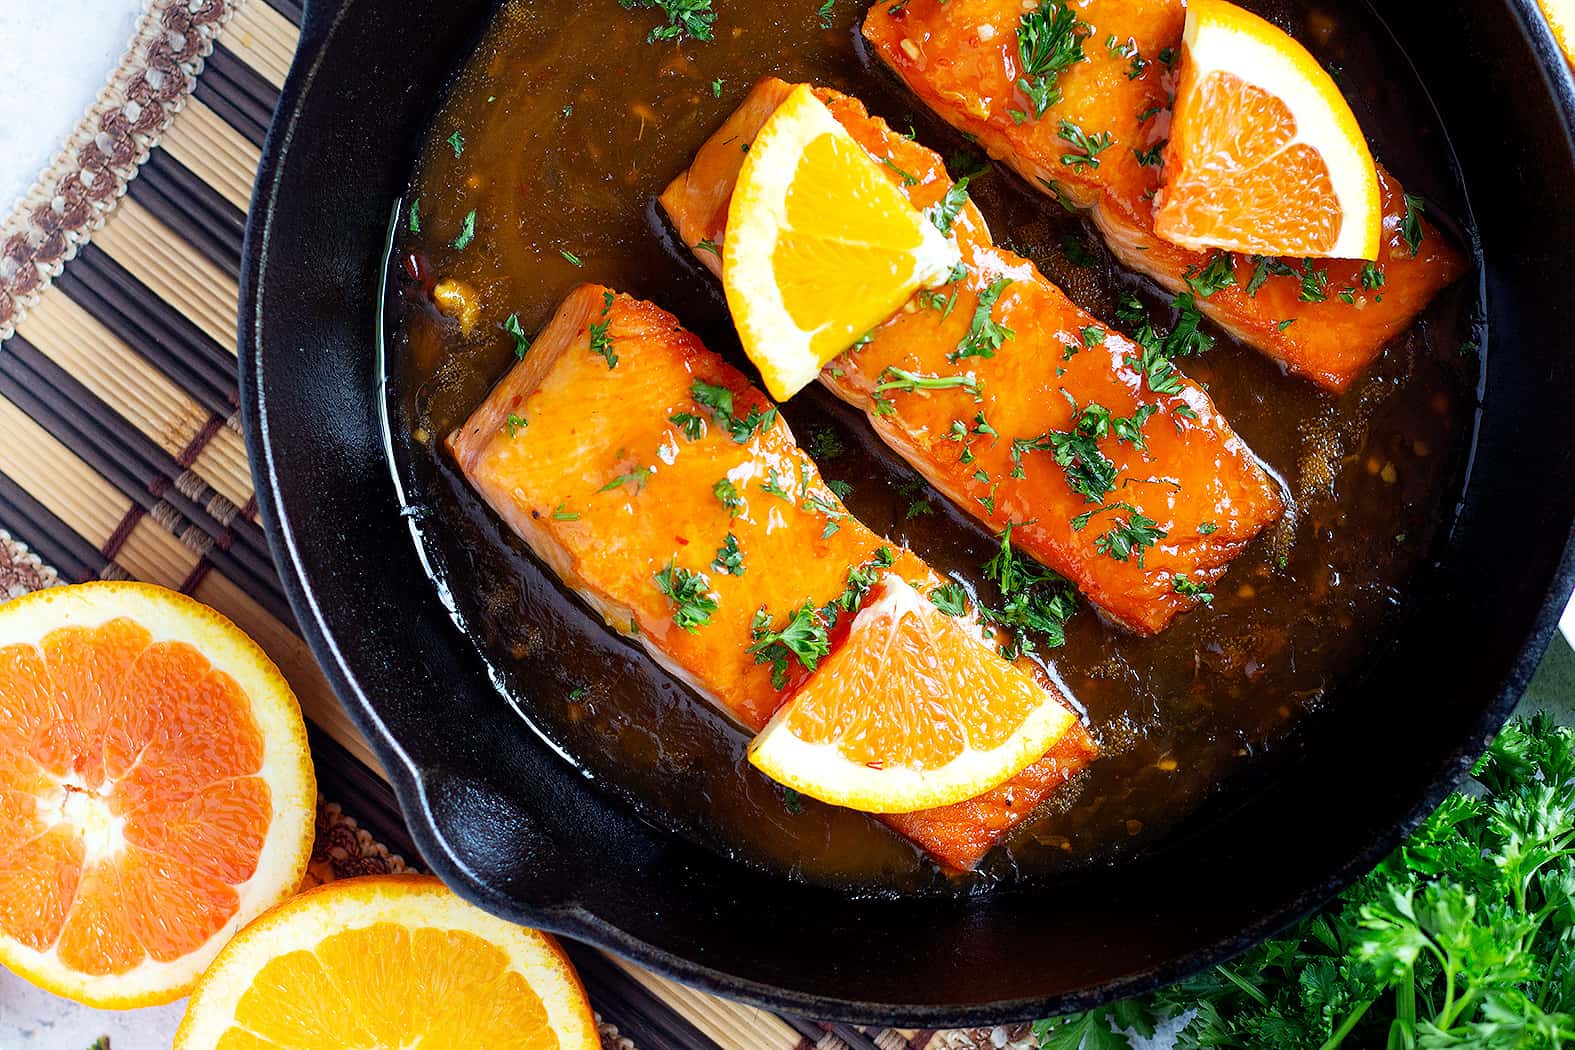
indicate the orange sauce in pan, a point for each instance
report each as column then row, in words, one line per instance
column 560, row 131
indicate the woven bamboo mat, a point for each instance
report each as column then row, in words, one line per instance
column 121, row 452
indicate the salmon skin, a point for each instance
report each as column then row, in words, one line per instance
column 993, row 445
column 597, row 454
column 960, row 57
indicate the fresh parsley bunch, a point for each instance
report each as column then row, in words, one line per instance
column 1463, row 937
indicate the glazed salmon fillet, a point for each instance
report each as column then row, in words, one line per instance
column 992, row 444
column 961, row 58
column 596, row 453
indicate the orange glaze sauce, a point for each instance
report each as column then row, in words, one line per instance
column 571, row 124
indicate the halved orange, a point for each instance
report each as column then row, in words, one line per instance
column 387, row 961
column 156, row 792
column 1265, row 155
column 915, row 710
column 821, row 244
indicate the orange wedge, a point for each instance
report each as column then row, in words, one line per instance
column 387, row 961
column 822, row 246
column 156, row 792
column 913, row 711
column 1265, row 155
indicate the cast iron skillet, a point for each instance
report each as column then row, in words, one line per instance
column 510, row 825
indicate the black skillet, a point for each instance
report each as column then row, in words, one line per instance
column 510, row 825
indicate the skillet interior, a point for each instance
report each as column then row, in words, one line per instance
column 511, row 825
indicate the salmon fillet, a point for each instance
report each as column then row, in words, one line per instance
column 595, row 452
column 960, row 57
column 990, row 446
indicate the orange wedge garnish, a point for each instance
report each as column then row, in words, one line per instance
column 821, row 244
column 388, row 961
column 915, row 710
column 156, row 792
column 1265, row 155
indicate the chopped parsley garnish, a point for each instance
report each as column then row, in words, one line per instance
column 1036, row 602
column 1315, row 283
column 719, row 399
column 1411, row 225
column 1085, row 148
column 1093, row 335
column 692, row 605
column 1372, row 276
column 563, row 513
column 1150, row 113
column 908, row 179
column 792, row 801
column 635, row 477
column 985, row 335
column 1151, row 157
column 574, row 260
column 415, row 215
column 944, row 212
column 824, row 443
column 1049, row 40
column 1130, row 536
column 823, row 12
column 917, row 508
column 1130, row 309
column 729, row 558
column 1130, row 428
column 1263, row 266
column 802, row 637
column 692, row 425
column 716, row 88
column 728, row 495
column 893, row 378
column 708, row 245
column 1217, row 273
column 511, row 325
column 1187, row 589
column 514, row 424
column 773, row 486
column 950, row 598
column 1207, row 528
column 601, row 342
column 685, row 18
column 1077, row 252
column 841, row 489
column 860, row 579
column 467, row 231
column 1088, row 471
column 457, row 142
column 1160, row 349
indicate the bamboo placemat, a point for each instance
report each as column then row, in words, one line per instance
column 121, row 453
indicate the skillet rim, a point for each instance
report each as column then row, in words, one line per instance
column 573, row 920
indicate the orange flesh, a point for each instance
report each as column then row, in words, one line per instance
column 1196, row 478
column 1234, row 177
column 906, row 668
column 144, row 734
column 588, row 424
column 937, row 49
column 448, row 987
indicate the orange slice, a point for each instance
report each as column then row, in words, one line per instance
column 387, row 961
column 156, row 792
column 821, row 244
column 914, row 711
column 1265, row 155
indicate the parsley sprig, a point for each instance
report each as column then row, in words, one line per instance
column 1462, row 937
column 1049, row 40
column 1035, row 602
column 719, row 399
column 685, row 18
column 690, row 594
